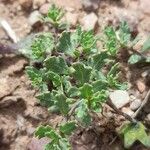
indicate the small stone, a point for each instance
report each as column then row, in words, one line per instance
column 34, row 18
column 89, row 21
column 30, row 131
column 119, row 98
column 128, row 111
column 141, row 86
column 135, row 104
column 38, row 3
column 132, row 98
column 44, row 8
column 72, row 18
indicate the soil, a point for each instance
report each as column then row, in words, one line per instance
column 20, row 112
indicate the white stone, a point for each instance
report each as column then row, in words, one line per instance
column 72, row 18
column 119, row 98
column 44, row 8
column 89, row 21
column 128, row 111
column 135, row 104
column 34, row 18
column 38, row 3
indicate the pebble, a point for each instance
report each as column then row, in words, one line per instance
column 44, row 8
column 128, row 111
column 89, row 21
column 72, row 18
column 141, row 86
column 34, row 18
column 119, row 98
column 135, row 104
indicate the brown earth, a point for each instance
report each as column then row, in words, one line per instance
column 20, row 113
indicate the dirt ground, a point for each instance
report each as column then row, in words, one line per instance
column 20, row 113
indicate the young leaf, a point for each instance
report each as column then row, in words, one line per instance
column 99, row 60
column 86, row 91
column 146, row 45
column 82, row 73
column 99, row 85
column 134, row 132
column 67, row 128
column 36, row 76
column 68, row 43
column 62, row 104
column 41, row 44
column 56, row 65
column 134, row 59
column 82, row 113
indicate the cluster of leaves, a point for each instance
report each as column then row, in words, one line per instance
column 73, row 79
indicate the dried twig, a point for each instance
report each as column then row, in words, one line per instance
column 142, row 105
column 109, row 103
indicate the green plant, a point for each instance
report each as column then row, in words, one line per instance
column 72, row 79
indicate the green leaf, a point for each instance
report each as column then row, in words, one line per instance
column 54, row 14
column 61, row 102
column 134, row 59
column 56, row 65
column 73, row 92
column 36, row 76
column 99, row 85
column 86, row 91
column 82, row 73
column 55, row 78
column 146, row 45
column 99, row 60
column 46, row 99
column 41, row 44
column 134, row 132
column 68, row 43
column 68, row 128
column 82, row 113
column 64, row 144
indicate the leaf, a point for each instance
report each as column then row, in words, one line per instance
column 146, row 45
column 86, row 91
column 73, row 92
column 62, row 104
column 41, row 44
column 98, row 60
column 36, row 76
column 55, row 78
column 54, row 14
column 68, row 128
column 134, row 59
column 134, row 132
column 99, row 85
column 64, row 144
column 68, row 43
column 82, row 113
column 56, row 65
column 82, row 73
column 46, row 99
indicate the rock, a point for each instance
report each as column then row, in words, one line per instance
column 38, row 3
column 34, row 18
column 119, row 98
column 89, row 21
column 38, row 144
column 145, row 6
column 44, row 8
column 135, row 104
column 141, row 86
column 127, row 111
column 30, row 131
column 132, row 98
column 89, row 5
column 72, row 18
column 25, row 4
